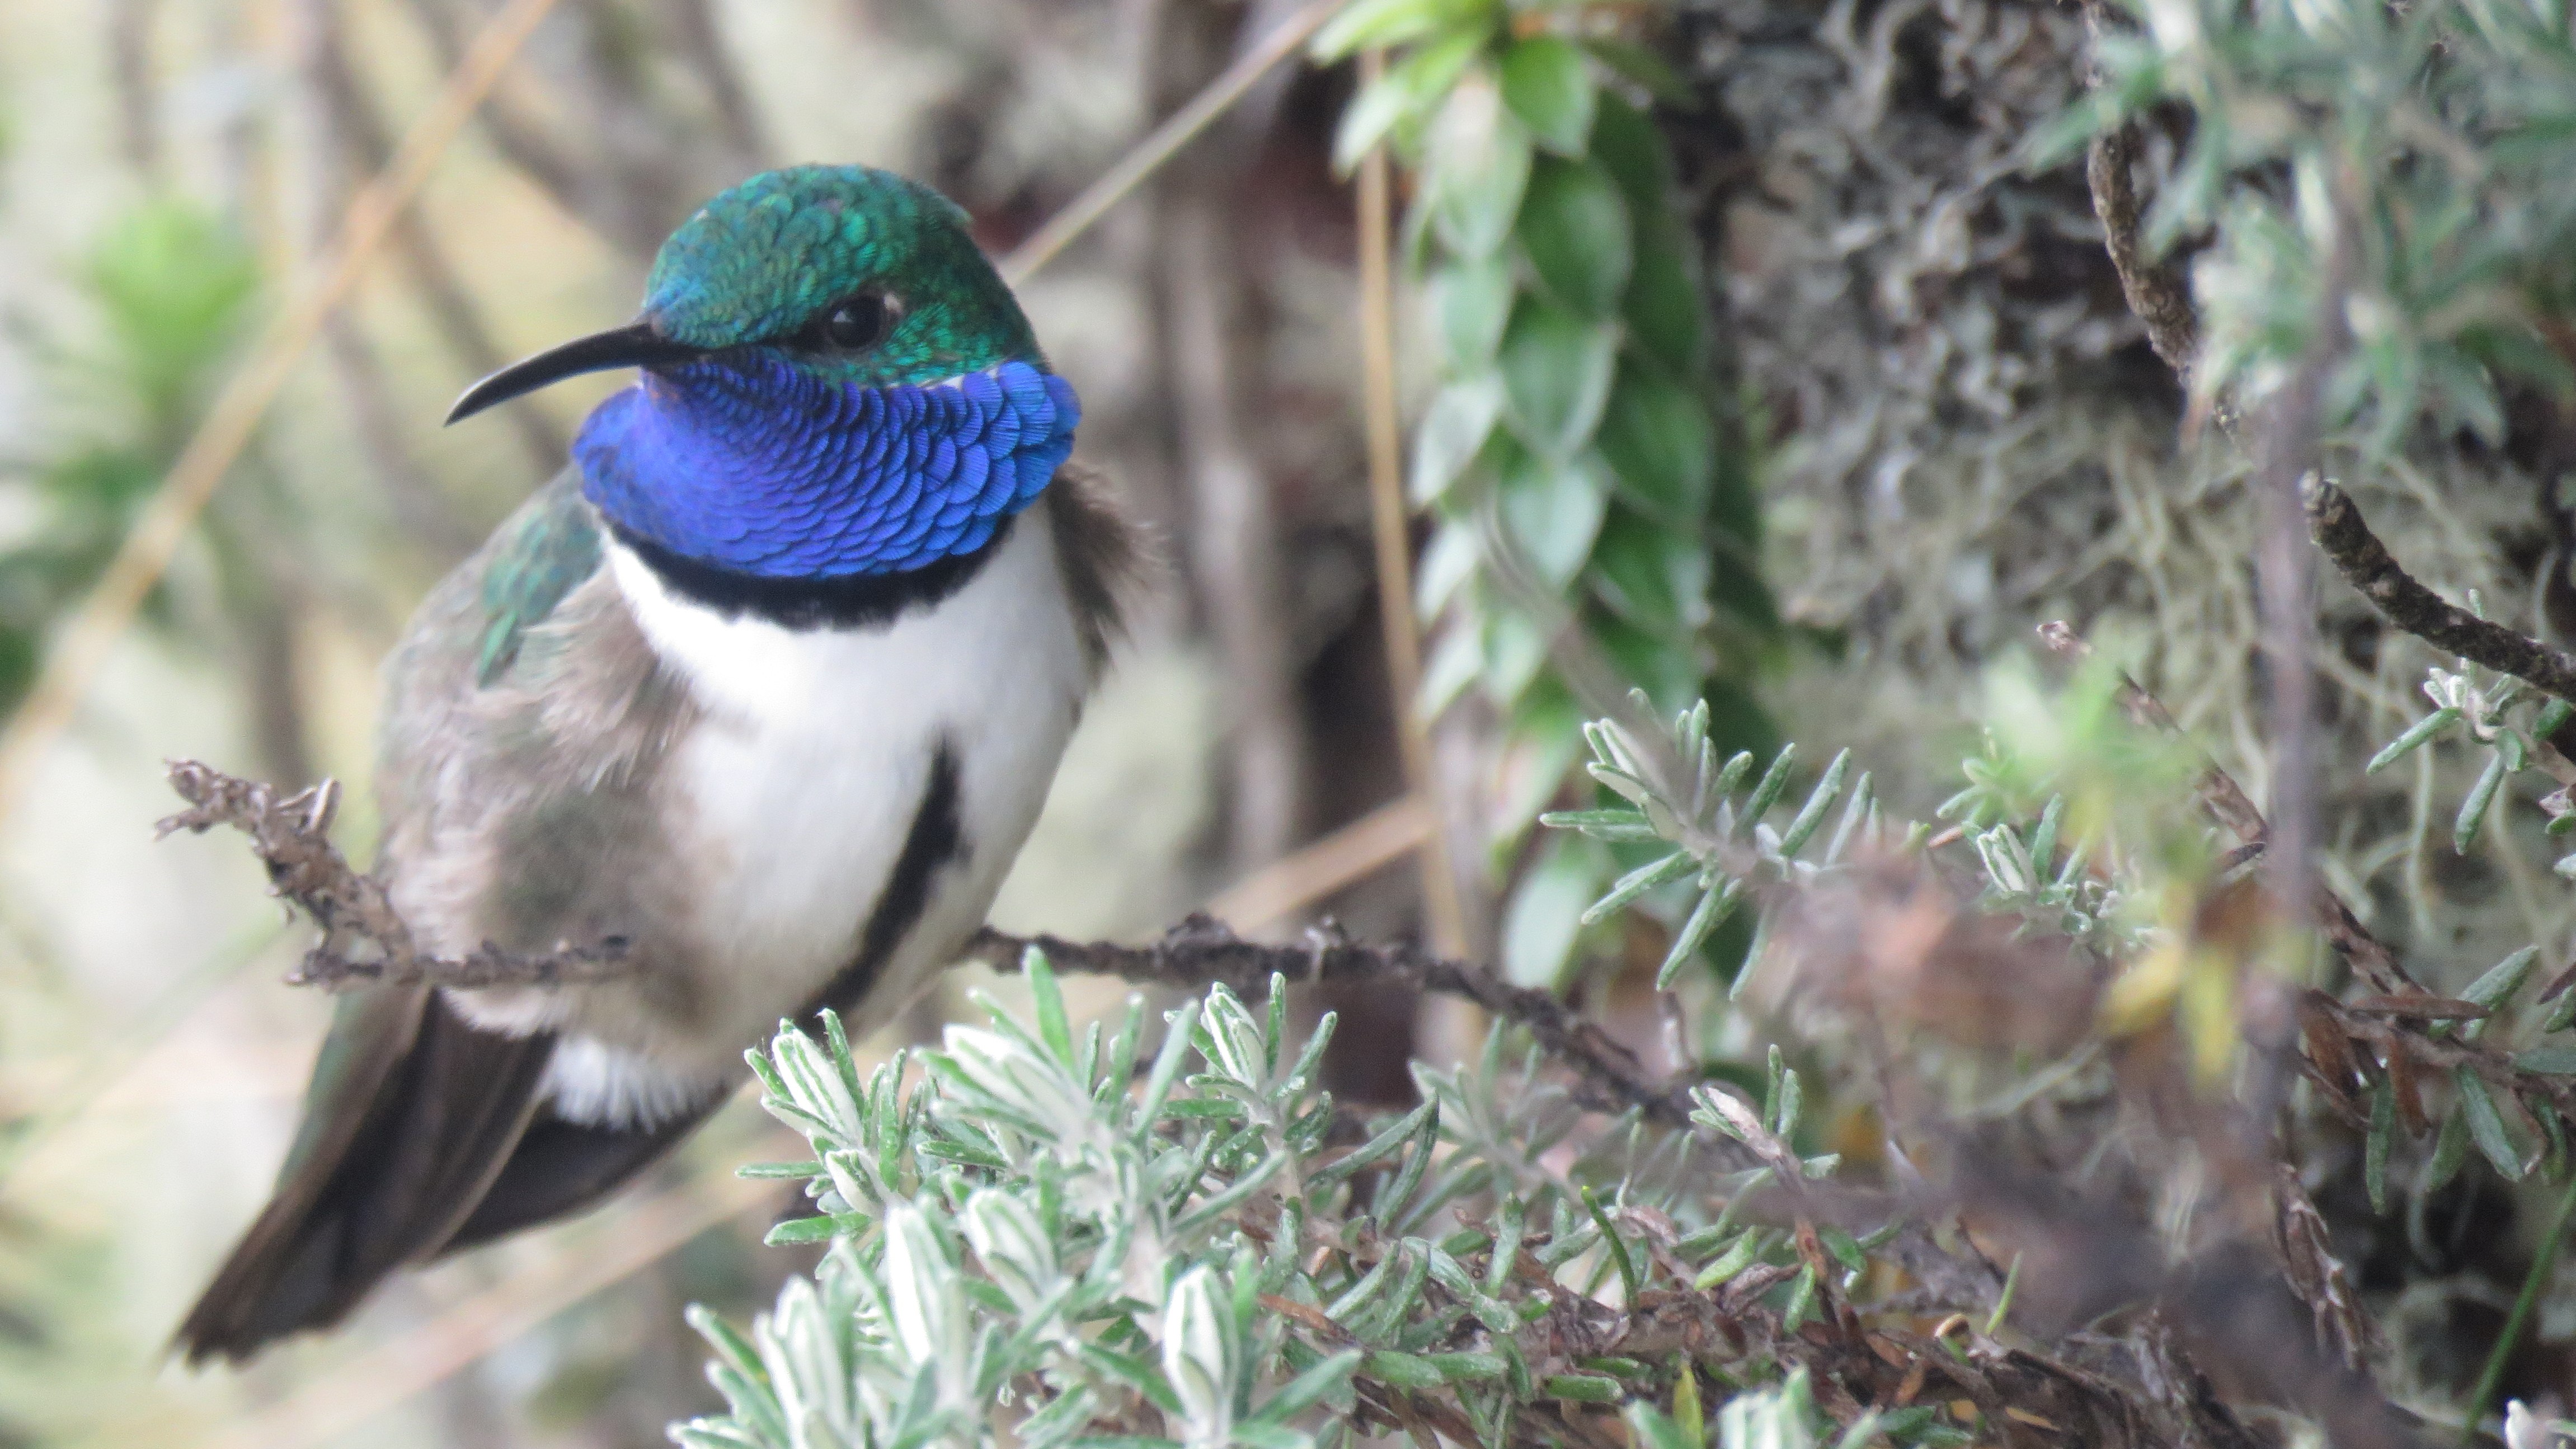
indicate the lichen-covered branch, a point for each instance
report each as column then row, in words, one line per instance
column 363, row 937
column 2155, row 290
column 2366, row 564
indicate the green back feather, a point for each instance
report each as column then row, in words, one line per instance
column 551, row 548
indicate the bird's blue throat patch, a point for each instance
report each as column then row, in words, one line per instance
column 749, row 465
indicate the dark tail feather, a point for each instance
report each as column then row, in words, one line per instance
column 562, row 1167
column 410, row 1118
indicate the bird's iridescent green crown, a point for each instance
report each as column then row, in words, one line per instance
column 765, row 260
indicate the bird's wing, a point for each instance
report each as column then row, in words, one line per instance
column 413, row 1112
column 541, row 555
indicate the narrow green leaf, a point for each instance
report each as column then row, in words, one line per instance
column 1812, row 814
column 2450, row 1151
column 2499, row 982
column 1403, row 1370
column 1588, row 820
column 1054, row 1027
column 2416, row 734
column 1802, row 1301
column 809, row 1230
column 2473, row 810
column 1639, row 881
column 1311, row 1387
column 2549, row 1061
column 1629, row 1278
column 1138, row 1373
column 1167, row 1065
column 1461, row 1368
column 1234, row 1195
column 2562, row 1011
column 1791, row 1100
column 1395, row 1133
column 2486, row 1124
column 1737, row 1258
column 1712, row 911
column 1583, row 1388
column 1775, row 782
column 1390, row 1203
column 1844, row 1247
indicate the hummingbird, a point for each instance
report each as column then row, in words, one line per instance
column 763, row 692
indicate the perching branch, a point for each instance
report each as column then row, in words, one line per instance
column 2367, row 565
column 1202, row 951
column 363, row 937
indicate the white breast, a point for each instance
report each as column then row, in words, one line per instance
column 793, row 797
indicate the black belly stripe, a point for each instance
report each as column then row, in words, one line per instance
column 851, row 601
column 936, row 838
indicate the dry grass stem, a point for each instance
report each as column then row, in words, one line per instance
column 229, row 423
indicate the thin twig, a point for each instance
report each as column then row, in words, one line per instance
column 2367, row 565
column 364, row 144
column 2155, row 291
column 1236, row 542
column 1165, row 141
column 2285, row 457
column 1389, row 529
column 229, row 423
column 1202, row 951
column 363, row 937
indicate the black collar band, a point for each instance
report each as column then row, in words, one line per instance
column 852, row 601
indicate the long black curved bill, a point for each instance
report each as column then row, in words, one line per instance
column 633, row 345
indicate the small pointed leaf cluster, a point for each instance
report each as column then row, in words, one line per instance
column 1706, row 832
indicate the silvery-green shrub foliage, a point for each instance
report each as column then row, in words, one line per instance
column 1051, row 1238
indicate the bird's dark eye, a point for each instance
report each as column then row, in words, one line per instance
column 853, row 324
